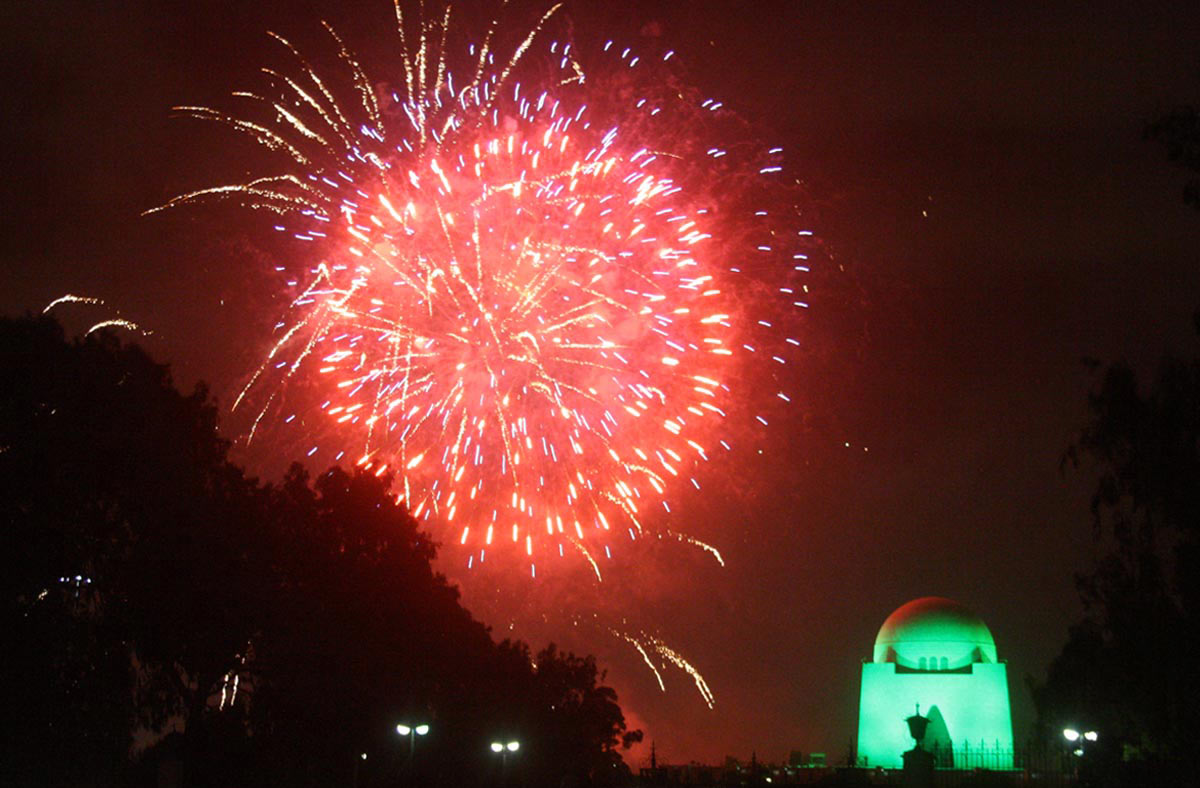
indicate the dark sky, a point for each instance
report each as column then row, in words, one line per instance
column 982, row 182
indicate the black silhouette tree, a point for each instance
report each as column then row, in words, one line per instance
column 1127, row 670
column 1179, row 131
column 275, row 632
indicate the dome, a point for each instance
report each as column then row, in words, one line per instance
column 934, row 633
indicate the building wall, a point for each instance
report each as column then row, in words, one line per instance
column 973, row 704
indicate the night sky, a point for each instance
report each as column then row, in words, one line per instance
column 993, row 216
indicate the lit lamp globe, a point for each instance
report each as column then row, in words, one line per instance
column 405, row 730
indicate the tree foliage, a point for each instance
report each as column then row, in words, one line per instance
column 253, row 632
column 1128, row 670
column 111, row 485
column 1179, row 131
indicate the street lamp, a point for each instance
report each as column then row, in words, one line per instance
column 362, row 756
column 1075, row 737
column 503, row 750
column 412, row 732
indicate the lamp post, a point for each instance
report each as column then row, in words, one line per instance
column 362, row 756
column 412, row 732
column 503, row 749
column 1080, row 740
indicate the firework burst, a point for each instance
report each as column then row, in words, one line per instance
column 534, row 287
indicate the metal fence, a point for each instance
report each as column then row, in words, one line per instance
column 974, row 767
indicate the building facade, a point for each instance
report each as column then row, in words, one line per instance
column 935, row 655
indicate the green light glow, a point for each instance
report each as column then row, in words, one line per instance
column 936, row 653
column 934, row 627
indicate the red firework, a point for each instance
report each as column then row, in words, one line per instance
column 535, row 292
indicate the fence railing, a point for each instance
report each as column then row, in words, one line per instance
column 978, row 767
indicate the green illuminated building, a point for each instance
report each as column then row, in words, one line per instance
column 937, row 653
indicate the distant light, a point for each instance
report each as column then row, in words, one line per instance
column 1091, row 736
column 1070, row 734
column 1078, row 751
column 403, row 730
column 363, row 756
column 422, row 730
column 513, row 746
column 497, row 746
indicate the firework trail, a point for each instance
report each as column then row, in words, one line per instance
column 112, row 322
column 532, row 289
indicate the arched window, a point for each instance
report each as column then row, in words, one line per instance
column 944, row 663
column 923, row 664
